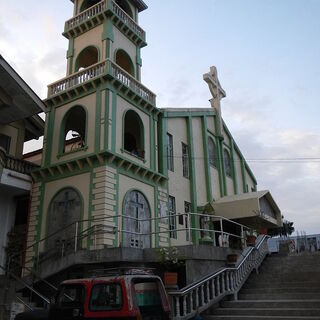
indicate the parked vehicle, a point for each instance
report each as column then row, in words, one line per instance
column 129, row 294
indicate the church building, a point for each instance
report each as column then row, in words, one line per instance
column 117, row 170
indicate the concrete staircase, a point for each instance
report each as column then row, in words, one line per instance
column 287, row 287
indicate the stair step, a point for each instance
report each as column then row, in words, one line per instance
column 279, row 296
column 295, row 312
column 271, row 304
column 232, row 317
column 281, row 290
column 293, row 284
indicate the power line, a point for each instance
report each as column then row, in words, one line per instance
column 273, row 160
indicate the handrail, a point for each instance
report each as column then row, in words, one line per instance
column 190, row 287
column 101, row 69
column 79, row 236
column 24, row 303
column 99, row 9
column 45, row 299
column 12, row 163
column 209, row 290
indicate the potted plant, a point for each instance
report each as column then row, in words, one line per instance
column 171, row 260
column 232, row 258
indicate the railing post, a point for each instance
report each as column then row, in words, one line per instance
column 184, row 305
column 213, row 294
column 177, row 307
column 38, row 255
column 218, row 285
column 221, row 231
column 189, row 226
column 202, row 295
column 76, row 238
column 94, row 237
column 243, row 242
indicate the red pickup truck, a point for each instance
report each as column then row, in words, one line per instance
column 134, row 294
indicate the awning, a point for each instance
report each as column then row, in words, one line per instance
column 17, row 99
column 255, row 209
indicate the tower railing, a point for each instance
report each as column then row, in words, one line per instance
column 99, row 70
column 127, row 20
column 86, row 15
column 99, row 9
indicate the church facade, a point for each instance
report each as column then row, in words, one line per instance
column 117, row 171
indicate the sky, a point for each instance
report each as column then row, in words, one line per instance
column 267, row 55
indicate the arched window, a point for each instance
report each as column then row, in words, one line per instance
column 87, row 4
column 124, row 61
column 123, row 4
column 87, row 57
column 74, row 129
column 64, row 211
column 227, row 162
column 212, row 152
column 136, row 220
column 133, row 134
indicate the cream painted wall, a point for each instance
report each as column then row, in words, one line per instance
column 250, row 182
column 89, row 102
column 210, row 124
column 199, row 161
column 179, row 186
column 237, row 161
column 215, row 183
column 230, row 187
column 128, row 184
column 122, row 106
column 81, row 183
column 122, row 42
column 89, row 38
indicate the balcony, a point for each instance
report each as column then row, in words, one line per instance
column 89, row 78
column 96, row 14
column 14, row 164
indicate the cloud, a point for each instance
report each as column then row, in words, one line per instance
column 293, row 183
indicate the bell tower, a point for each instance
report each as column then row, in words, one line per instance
column 100, row 160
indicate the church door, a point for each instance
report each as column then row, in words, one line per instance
column 136, row 221
column 64, row 211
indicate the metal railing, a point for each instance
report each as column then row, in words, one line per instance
column 14, row 164
column 71, row 238
column 43, row 298
column 98, row 70
column 99, row 9
column 201, row 295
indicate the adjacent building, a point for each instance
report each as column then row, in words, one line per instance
column 19, row 123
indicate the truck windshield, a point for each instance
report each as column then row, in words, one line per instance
column 71, row 296
column 106, row 297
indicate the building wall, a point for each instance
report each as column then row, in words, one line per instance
column 80, row 182
column 7, row 217
column 89, row 103
column 178, row 186
column 198, row 142
column 16, row 132
column 123, row 106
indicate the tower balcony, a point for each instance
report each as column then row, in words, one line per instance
column 89, row 78
column 96, row 14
